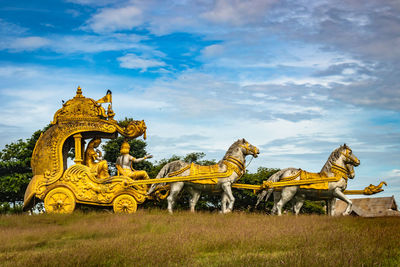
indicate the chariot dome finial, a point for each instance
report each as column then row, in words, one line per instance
column 79, row 92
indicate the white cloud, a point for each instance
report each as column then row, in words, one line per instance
column 213, row 50
column 95, row 44
column 67, row 44
column 395, row 173
column 132, row 61
column 135, row 102
column 28, row 43
column 115, row 19
column 10, row 29
column 93, row 2
column 238, row 12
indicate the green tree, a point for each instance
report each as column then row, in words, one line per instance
column 15, row 168
column 313, row 207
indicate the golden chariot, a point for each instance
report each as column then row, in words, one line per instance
column 61, row 187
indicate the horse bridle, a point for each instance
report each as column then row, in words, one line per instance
column 241, row 167
column 249, row 150
column 346, row 172
column 348, row 156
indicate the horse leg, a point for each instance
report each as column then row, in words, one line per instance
column 330, row 206
column 287, row 194
column 299, row 203
column 224, row 200
column 226, row 187
column 340, row 195
column 333, row 204
column 277, row 197
column 195, row 197
column 174, row 191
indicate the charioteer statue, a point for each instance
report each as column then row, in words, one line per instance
column 124, row 164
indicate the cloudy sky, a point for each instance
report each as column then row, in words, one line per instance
column 295, row 78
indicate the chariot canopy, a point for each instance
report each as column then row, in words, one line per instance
column 80, row 119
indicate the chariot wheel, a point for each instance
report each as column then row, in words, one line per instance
column 124, row 204
column 59, row 200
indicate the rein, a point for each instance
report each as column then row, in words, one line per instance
column 248, row 149
column 249, row 162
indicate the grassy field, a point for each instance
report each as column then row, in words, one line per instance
column 155, row 238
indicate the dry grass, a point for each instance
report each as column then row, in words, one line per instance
column 154, row 238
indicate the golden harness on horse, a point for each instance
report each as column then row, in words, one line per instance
column 304, row 175
column 339, row 172
column 196, row 170
column 210, row 174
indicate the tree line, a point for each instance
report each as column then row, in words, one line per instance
column 16, row 172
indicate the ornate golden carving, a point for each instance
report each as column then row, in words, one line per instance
column 372, row 189
column 133, row 130
column 124, row 204
column 79, row 108
column 59, row 200
column 369, row 190
column 160, row 193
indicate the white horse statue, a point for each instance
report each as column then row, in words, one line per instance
column 217, row 178
column 340, row 164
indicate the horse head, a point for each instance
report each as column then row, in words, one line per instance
column 349, row 159
column 248, row 149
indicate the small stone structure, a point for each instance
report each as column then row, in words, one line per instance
column 370, row 207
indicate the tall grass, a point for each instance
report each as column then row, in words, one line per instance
column 155, row 238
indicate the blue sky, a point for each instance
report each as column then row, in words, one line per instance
column 295, row 78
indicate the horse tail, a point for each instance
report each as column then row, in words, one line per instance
column 164, row 171
column 168, row 168
column 260, row 197
column 276, row 176
column 267, row 192
column 161, row 174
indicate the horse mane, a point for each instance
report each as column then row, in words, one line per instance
column 232, row 148
column 332, row 158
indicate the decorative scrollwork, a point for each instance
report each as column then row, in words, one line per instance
column 372, row 189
